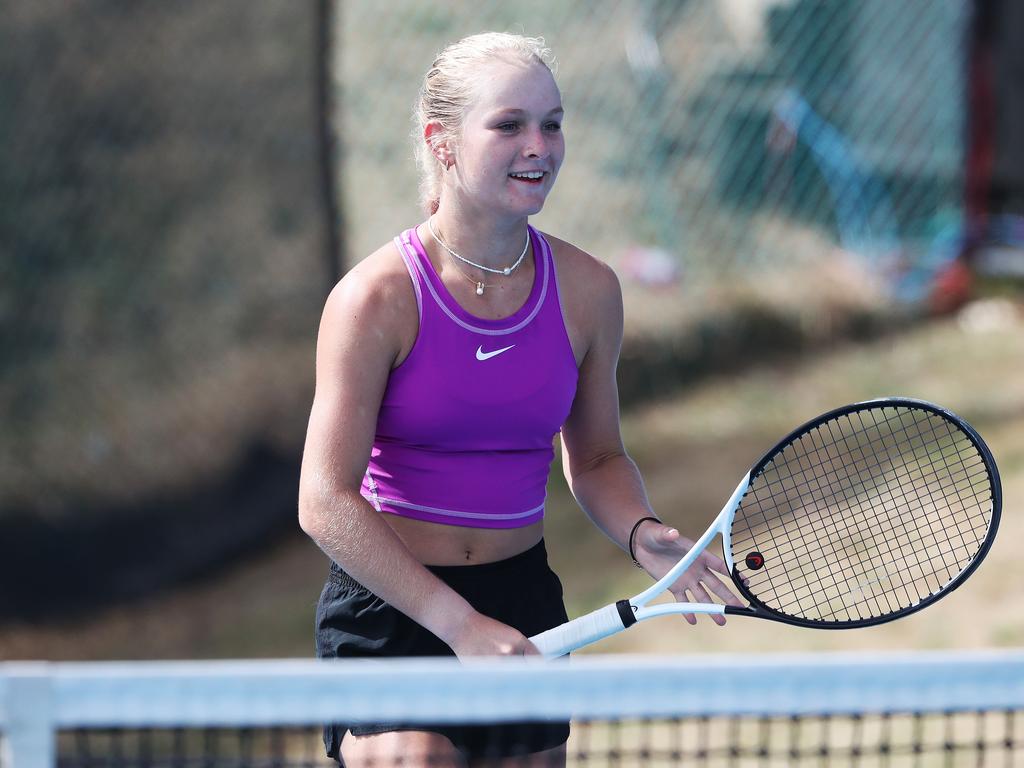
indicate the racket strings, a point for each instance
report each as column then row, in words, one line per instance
column 817, row 471
column 865, row 514
column 938, row 536
column 792, row 606
column 835, row 489
column 865, row 575
column 878, row 536
column 911, row 536
column 830, row 489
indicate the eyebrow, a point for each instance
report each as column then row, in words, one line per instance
column 515, row 111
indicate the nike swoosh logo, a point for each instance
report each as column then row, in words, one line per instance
column 481, row 355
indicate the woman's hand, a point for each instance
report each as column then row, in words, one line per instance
column 659, row 547
column 480, row 635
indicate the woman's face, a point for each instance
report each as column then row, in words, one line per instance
column 511, row 146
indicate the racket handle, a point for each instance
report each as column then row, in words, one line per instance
column 577, row 633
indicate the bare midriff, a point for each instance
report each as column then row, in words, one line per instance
column 435, row 544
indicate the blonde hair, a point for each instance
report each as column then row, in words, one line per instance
column 447, row 90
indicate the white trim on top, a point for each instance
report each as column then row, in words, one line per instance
column 410, row 266
column 545, row 257
column 457, row 514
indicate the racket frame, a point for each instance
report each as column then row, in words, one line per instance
column 615, row 617
column 760, row 610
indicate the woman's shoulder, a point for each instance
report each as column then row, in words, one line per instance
column 582, row 272
column 377, row 290
column 381, row 276
column 591, row 297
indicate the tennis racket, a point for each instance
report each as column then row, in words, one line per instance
column 861, row 516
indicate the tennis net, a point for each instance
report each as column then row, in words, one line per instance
column 923, row 709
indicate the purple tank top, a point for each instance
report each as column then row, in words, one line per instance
column 466, row 426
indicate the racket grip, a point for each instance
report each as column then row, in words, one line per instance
column 577, row 633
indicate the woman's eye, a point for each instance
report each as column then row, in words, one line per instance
column 510, row 127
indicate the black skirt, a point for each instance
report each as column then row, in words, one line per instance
column 521, row 591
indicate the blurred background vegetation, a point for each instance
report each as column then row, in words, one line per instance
column 780, row 185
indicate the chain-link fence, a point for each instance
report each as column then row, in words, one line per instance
column 704, row 137
column 167, row 235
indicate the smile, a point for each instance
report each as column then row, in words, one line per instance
column 529, row 176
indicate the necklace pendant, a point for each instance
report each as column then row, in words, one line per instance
column 507, row 271
column 479, row 289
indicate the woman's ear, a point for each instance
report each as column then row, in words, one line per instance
column 437, row 140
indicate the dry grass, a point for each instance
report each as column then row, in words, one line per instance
column 692, row 449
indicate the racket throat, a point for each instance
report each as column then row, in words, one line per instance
column 733, row 610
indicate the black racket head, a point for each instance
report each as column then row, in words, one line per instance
column 864, row 515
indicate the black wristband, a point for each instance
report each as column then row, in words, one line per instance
column 632, row 533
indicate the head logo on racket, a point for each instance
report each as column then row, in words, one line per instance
column 754, row 561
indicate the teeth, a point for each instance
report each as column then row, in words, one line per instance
column 528, row 175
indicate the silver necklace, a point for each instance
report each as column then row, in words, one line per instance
column 480, row 285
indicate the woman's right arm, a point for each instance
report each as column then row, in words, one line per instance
column 360, row 339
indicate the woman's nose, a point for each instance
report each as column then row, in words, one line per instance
column 536, row 144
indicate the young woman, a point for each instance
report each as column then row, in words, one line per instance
column 447, row 362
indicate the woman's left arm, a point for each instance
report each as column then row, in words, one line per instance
column 601, row 475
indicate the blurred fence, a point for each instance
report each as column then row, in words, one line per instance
column 167, row 235
column 704, row 137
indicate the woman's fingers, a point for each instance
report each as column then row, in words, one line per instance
column 714, row 563
column 670, row 540
column 703, row 597
column 696, row 590
column 723, row 591
column 702, row 579
column 691, row 618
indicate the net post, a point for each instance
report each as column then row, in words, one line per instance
column 27, row 718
